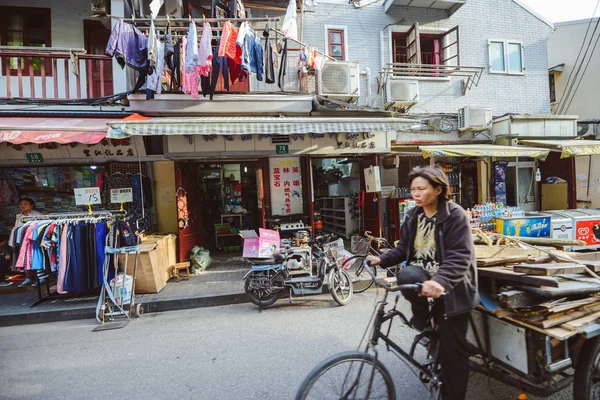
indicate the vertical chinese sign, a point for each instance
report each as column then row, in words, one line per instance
column 286, row 186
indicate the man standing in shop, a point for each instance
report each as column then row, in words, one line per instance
column 27, row 206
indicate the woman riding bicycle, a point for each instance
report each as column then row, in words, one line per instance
column 435, row 241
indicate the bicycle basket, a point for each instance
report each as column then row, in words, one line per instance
column 337, row 248
column 359, row 245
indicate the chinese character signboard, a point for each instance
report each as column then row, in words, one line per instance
column 286, row 186
column 123, row 195
column 87, row 196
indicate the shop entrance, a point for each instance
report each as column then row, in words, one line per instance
column 336, row 186
column 220, row 200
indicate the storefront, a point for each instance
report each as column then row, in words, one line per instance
column 270, row 179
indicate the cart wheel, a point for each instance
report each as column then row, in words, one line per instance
column 586, row 385
column 139, row 310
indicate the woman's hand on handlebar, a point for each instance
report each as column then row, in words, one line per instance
column 373, row 260
column 431, row 289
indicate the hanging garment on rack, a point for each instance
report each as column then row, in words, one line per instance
column 189, row 81
column 152, row 49
column 241, row 42
column 256, row 54
column 63, row 259
column 154, row 81
column 205, row 53
column 237, row 9
column 191, row 50
column 130, row 47
column 227, row 45
column 169, row 48
column 220, row 10
column 290, row 26
column 101, row 231
column 269, row 68
column 175, row 83
column 283, row 65
column 219, row 65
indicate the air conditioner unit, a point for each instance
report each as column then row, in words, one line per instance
column 173, row 8
column 474, row 118
column 400, row 92
column 100, row 8
column 339, row 80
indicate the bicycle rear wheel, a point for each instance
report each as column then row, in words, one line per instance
column 348, row 375
column 361, row 279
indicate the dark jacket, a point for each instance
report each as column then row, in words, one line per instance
column 454, row 252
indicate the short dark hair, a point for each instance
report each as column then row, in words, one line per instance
column 29, row 200
column 436, row 177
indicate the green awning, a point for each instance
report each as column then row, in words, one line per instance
column 482, row 150
column 569, row 148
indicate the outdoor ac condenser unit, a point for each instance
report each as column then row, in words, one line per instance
column 173, row 8
column 474, row 118
column 339, row 80
column 399, row 92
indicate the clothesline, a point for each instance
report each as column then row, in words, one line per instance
column 302, row 44
column 202, row 20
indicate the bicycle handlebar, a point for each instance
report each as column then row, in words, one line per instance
column 409, row 286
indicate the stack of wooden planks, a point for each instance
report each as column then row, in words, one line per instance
column 570, row 315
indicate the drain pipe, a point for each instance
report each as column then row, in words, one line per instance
column 367, row 73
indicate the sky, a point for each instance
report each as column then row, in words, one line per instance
column 561, row 10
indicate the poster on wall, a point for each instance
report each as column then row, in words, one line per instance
column 500, row 181
column 286, row 186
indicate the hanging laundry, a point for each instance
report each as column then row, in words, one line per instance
column 191, row 50
column 155, row 7
column 205, row 53
column 227, row 45
column 175, row 83
column 283, row 65
column 130, row 47
column 319, row 62
column 252, row 42
column 154, row 81
column 152, row 48
column 269, row 67
column 290, row 26
column 169, row 48
column 241, row 42
column 189, row 81
column 220, row 10
column 237, row 9
column 219, row 65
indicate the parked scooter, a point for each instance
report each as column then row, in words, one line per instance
column 269, row 279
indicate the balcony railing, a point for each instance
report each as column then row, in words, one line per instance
column 54, row 73
column 470, row 75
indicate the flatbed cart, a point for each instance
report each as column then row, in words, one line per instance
column 114, row 296
column 540, row 362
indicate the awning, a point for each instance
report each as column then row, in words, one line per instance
column 253, row 125
column 482, row 150
column 570, row 148
column 19, row 130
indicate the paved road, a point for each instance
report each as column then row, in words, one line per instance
column 229, row 352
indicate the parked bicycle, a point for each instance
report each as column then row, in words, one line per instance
column 361, row 375
column 362, row 247
column 268, row 279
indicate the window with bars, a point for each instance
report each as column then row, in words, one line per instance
column 25, row 26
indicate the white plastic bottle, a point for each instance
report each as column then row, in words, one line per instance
column 538, row 175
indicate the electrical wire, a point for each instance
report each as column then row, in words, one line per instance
column 570, row 83
column 584, row 70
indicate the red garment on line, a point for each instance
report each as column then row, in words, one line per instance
column 228, row 46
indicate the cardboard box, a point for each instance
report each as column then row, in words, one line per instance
column 260, row 247
column 167, row 245
column 151, row 274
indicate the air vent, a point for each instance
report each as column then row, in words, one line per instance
column 280, row 139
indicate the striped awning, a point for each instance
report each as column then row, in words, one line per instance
column 482, row 150
column 253, row 125
column 568, row 148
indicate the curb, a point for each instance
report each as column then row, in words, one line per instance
column 149, row 307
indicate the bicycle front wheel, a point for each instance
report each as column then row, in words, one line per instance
column 348, row 375
column 361, row 279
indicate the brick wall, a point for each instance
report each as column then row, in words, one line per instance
column 478, row 21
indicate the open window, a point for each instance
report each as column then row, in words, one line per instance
column 420, row 46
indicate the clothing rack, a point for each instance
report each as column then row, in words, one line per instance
column 276, row 19
column 301, row 43
column 67, row 217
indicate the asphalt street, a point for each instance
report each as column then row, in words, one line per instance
column 227, row 352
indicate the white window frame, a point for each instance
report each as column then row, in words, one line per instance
column 505, row 44
column 343, row 28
